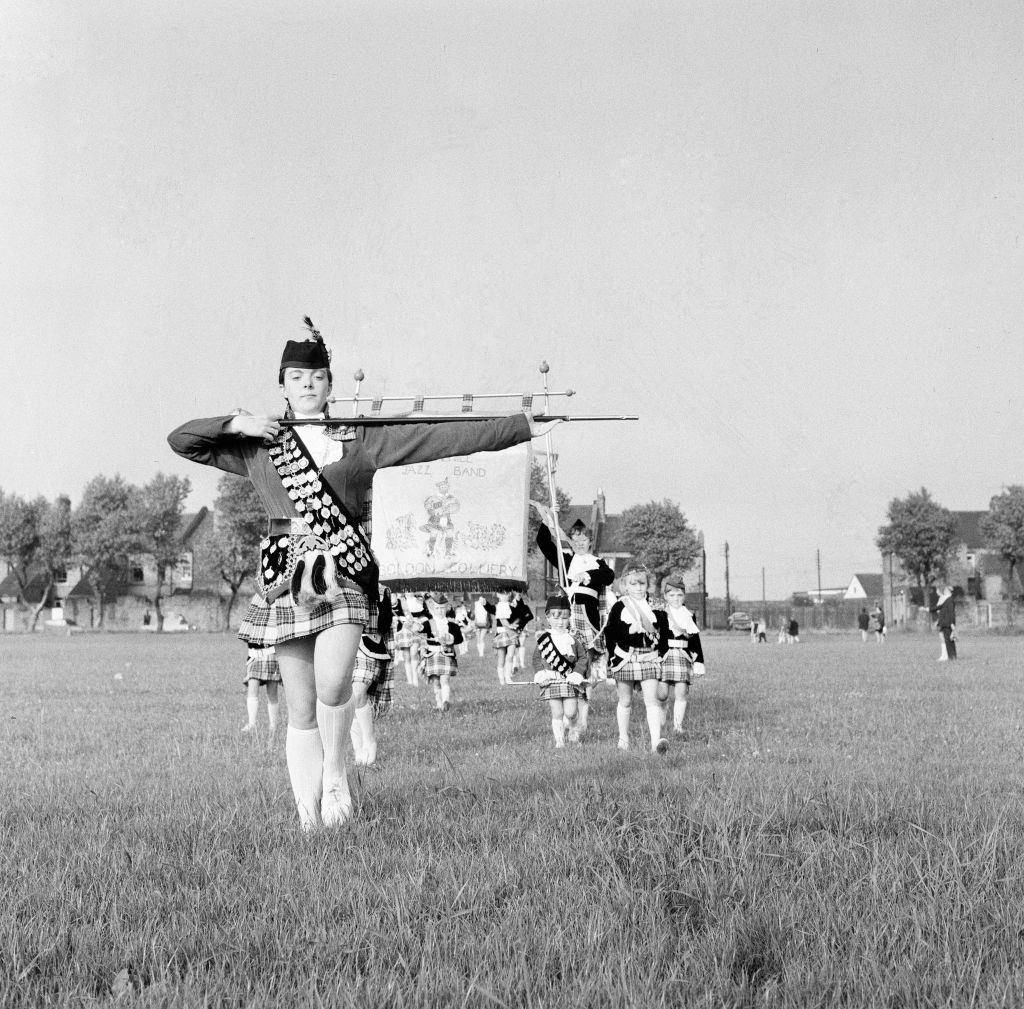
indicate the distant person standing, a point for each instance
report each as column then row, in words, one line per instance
column 945, row 611
column 261, row 670
column 793, row 637
column 863, row 620
column 762, row 631
column 876, row 623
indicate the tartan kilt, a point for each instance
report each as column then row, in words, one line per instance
column 261, row 665
column 562, row 690
column 438, row 664
column 676, row 667
column 406, row 638
column 583, row 628
column 504, row 638
column 270, row 623
column 639, row 666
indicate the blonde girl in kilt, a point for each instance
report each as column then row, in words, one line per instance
column 439, row 663
column 261, row 670
column 684, row 656
column 561, row 661
column 506, row 639
column 410, row 636
column 636, row 644
column 318, row 578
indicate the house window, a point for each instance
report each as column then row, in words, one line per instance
column 60, row 575
column 138, row 575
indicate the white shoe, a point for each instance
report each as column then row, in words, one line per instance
column 336, row 804
column 623, row 743
column 559, row 745
column 248, row 728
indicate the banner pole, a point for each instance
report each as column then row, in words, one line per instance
column 557, row 531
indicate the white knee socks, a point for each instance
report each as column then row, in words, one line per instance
column 446, row 692
column 362, row 724
column 655, row 721
column 335, row 722
column 273, row 708
column 679, row 713
column 583, row 707
column 622, row 717
column 304, row 754
column 252, row 708
column 558, row 728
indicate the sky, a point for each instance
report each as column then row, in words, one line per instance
column 786, row 235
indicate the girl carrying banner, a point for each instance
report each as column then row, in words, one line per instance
column 561, row 660
column 317, row 578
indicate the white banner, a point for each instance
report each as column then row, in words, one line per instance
column 454, row 524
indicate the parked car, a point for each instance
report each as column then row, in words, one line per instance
column 739, row 621
column 176, row 622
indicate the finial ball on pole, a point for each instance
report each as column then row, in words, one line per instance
column 359, row 376
column 544, row 369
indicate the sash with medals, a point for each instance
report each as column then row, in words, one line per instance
column 323, row 524
column 554, row 660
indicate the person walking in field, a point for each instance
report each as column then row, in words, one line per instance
column 945, row 612
column 520, row 615
column 261, row 670
column 410, row 635
column 483, row 611
column 863, row 623
column 439, row 663
column 683, row 655
column 561, row 660
column 505, row 638
column 793, row 632
column 876, row 623
column 636, row 644
column 318, row 578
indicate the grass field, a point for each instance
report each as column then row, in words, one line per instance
column 842, row 826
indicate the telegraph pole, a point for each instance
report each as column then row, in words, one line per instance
column 703, row 582
column 728, row 603
column 818, row 552
column 764, row 602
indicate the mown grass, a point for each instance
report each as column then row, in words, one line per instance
column 841, row 827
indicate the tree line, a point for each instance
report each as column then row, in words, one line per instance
column 41, row 539
column 923, row 534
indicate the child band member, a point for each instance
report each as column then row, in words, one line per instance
column 636, row 643
column 561, row 661
column 684, row 657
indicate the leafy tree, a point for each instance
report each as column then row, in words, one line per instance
column 19, row 536
column 1003, row 527
column 922, row 534
column 56, row 546
column 658, row 535
column 159, row 507
column 241, row 524
column 104, row 530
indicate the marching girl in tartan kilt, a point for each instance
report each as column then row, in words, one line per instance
column 520, row 615
column 372, row 677
column 506, row 639
column 439, row 663
column 636, row 642
column 317, row 578
column 684, row 656
column 561, row 661
column 410, row 635
column 261, row 669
